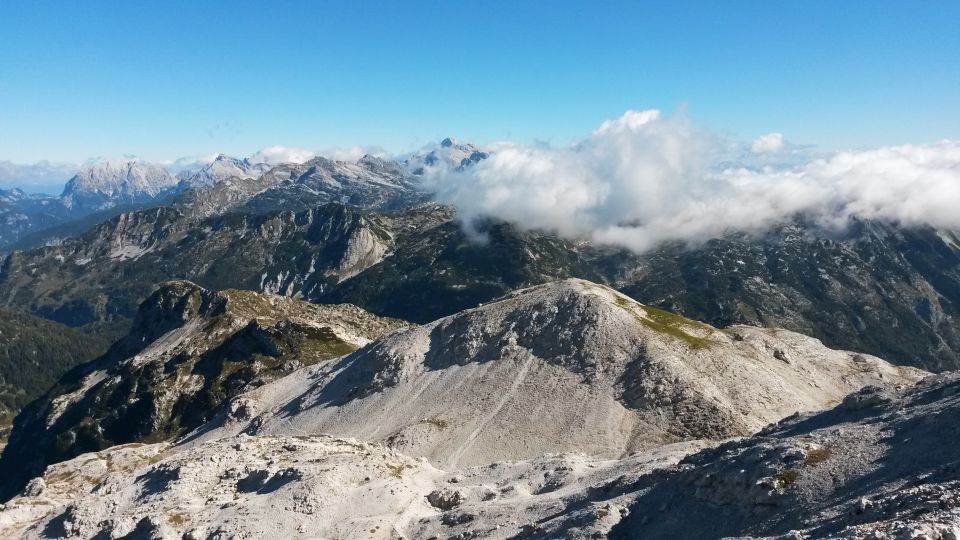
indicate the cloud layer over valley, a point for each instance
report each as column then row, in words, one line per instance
column 645, row 178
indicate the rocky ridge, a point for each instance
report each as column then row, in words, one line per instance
column 485, row 385
column 189, row 351
column 292, row 253
column 219, row 169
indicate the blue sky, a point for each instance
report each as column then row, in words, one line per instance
column 167, row 79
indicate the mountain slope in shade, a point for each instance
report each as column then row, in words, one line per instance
column 188, row 352
column 34, row 353
column 286, row 252
column 876, row 466
column 563, row 367
column 21, row 214
column 878, row 288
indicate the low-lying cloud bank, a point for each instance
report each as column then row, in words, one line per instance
column 277, row 154
column 41, row 177
column 646, row 178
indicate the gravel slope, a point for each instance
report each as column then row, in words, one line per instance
column 567, row 366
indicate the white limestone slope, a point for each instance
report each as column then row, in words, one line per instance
column 221, row 168
column 301, row 487
column 565, row 367
column 118, row 180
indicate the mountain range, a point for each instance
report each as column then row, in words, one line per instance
column 323, row 349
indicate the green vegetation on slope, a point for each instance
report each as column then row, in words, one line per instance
column 666, row 323
column 34, row 353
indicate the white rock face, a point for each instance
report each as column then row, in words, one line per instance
column 222, row 168
column 565, row 367
column 843, row 473
column 301, row 487
column 118, row 181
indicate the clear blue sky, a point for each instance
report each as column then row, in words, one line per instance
column 167, row 79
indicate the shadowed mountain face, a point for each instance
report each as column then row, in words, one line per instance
column 880, row 289
column 34, row 353
column 101, row 276
column 886, row 290
column 874, row 467
column 187, row 353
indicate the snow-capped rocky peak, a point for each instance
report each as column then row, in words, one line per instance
column 221, row 168
column 118, row 181
column 12, row 195
column 449, row 154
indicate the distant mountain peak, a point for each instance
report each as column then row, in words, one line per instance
column 450, row 154
column 221, row 168
column 105, row 183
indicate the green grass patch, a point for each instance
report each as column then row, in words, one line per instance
column 396, row 471
column 787, row 477
column 666, row 323
column 818, row 455
column 436, row 422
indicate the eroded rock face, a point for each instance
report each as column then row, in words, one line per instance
column 445, row 499
column 188, row 354
column 876, row 471
column 296, row 254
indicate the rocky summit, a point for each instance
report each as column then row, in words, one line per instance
column 569, row 366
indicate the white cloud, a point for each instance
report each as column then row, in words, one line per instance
column 643, row 179
column 353, row 153
column 40, row 177
column 274, row 155
column 631, row 120
column 189, row 162
column 767, row 144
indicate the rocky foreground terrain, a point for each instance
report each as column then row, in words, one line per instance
column 878, row 465
column 566, row 410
